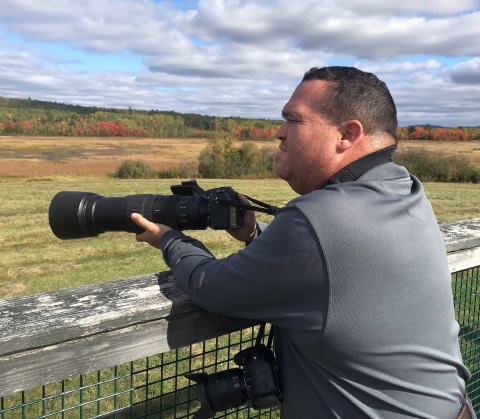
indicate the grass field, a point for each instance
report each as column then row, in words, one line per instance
column 98, row 156
column 33, row 260
column 468, row 149
column 94, row 156
column 33, row 169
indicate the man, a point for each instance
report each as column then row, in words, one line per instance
column 352, row 274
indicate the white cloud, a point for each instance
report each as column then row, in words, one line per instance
column 467, row 72
column 399, row 67
column 232, row 60
column 244, row 57
column 22, row 76
column 348, row 28
column 434, row 98
column 96, row 25
column 433, row 7
column 360, row 28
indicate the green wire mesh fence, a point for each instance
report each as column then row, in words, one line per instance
column 155, row 386
column 466, row 288
column 152, row 387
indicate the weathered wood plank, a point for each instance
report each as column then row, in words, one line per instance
column 52, row 336
column 462, row 241
column 49, row 318
column 461, row 235
column 29, row 369
column 463, row 259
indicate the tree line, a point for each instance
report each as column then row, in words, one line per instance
column 34, row 117
column 429, row 133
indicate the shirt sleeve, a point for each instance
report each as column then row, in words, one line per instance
column 262, row 226
column 281, row 277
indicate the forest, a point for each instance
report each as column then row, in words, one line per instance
column 35, row 117
column 429, row 133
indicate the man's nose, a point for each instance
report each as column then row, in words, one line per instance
column 281, row 132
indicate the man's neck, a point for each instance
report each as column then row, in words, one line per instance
column 358, row 167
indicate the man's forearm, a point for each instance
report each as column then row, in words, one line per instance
column 175, row 246
column 261, row 281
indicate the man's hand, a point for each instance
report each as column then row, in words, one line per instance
column 153, row 232
column 247, row 232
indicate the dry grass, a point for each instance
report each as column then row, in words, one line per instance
column 97, row 156
column 468, row 149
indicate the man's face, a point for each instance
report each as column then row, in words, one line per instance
column 308, row 154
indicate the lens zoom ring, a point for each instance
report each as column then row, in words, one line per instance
column 141, row 204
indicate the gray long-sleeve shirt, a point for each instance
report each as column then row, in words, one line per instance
column 355, row 279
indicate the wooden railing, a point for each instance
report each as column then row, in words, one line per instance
column 53, row 336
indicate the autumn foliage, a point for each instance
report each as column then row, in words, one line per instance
column 32, row 117
column 428, row 133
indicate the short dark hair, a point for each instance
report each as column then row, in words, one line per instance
column 358, row 95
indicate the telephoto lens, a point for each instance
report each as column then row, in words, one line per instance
column 218, row 392
column 75, row 215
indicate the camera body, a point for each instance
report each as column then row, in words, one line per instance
column 220, row 216
column 257, row 381
column 260, row 375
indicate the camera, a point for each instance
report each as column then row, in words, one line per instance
column 257, row 382
column 75, row 215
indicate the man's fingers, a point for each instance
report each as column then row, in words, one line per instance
column 141, row 221
column 141, row 237
column 153, row 232
column 243, row 200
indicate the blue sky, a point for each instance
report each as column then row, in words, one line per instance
column 240, row 57
column 63, row 55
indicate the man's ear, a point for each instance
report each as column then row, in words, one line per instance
column 351, row 131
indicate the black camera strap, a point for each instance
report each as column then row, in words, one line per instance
column 261, row 334
column 267, row 209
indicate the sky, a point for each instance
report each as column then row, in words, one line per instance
column 240, row 57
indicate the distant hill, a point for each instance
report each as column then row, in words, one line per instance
column 38, row 117
column 192, row 120
column 442, row 126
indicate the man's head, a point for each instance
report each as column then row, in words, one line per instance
column 334, row 117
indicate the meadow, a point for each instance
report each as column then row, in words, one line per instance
column 94, row 156
column 33, row 260
column 29, row 156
